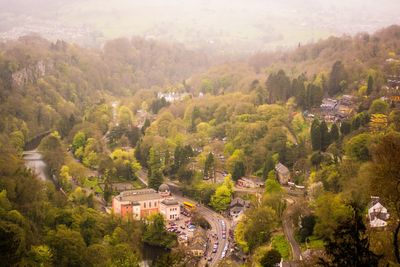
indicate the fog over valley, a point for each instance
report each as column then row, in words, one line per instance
column 226, row 26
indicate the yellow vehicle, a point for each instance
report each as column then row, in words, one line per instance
column 189, row 206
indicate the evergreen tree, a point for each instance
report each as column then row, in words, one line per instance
column 278, row 85
column 238, row 170
column 155, row 169
column 349, row 245
column 334, row 133
column 337, row 78
column 269, row 165
column 209, row 166
column 316, row 135
column 146, row 125
column 345, row 128
column 370, row 85
column 271, row 258
column 325, row 137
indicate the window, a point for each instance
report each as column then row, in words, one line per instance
column 149, row 204
column 155, row 203
column 144, row 204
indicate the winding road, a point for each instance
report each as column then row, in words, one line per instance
column 211, row 216
column 288, row 229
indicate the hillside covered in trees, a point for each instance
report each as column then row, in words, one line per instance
column 325, row 111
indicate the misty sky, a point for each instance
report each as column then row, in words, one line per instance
column 226, row 25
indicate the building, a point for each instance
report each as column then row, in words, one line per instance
column 347, row 100
column 164, row 191
column 198, row 243
column 170, row 209
column 282, row 173
column 144, row 202
column 237, row 207
column 377, row 213
column 328, row 104
column 250, row 183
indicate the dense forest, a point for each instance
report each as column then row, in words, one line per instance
column 109, row 115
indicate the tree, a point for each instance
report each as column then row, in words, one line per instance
column 125, row 164
column 278, row 85
column 155, row 169
column 325, row 137
column 40, row 256
column 345, row 128
column 349, row 244
column 209, row 166
column 65, row 178
column 384, row 171
column 379, row 106
column 146, row 125
column 357, row 147
column 272, row 185
column 269, row 165
column 238, row 170
column 17, row 139
column 258, row 226
column 125, row 117
column 13, row 244
column 370, row 85
column 337, row 78
column 78, row 141
column 334, row 133
column 271, row 258
column 67, row 245
column 221, row 199
column 330, row 211
column 307, row 227
column 316, row 135
column 53, row 152
column 155, row 233
column 123, row 256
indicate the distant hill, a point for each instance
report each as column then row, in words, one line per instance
column 362, row 55
column 43, row 83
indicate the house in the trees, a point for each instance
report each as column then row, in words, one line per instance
column 377, row 214
column 138, row 204
column 198, row 243
column 250, row 182
column 282, row 173
column 237, row 207
column 328, row 105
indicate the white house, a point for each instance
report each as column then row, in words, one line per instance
column 377, row 214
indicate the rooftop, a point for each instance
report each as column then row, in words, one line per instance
column 282, row 169
column 169, row 202
column 138, row 195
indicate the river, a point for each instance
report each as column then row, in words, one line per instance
column 34, row 161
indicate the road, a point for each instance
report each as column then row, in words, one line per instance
column 214, row 219
column 288, row 229
column 211, row 216
column 294, row 200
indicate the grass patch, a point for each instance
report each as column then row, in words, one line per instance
column 280, row 243
column 313, row 243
